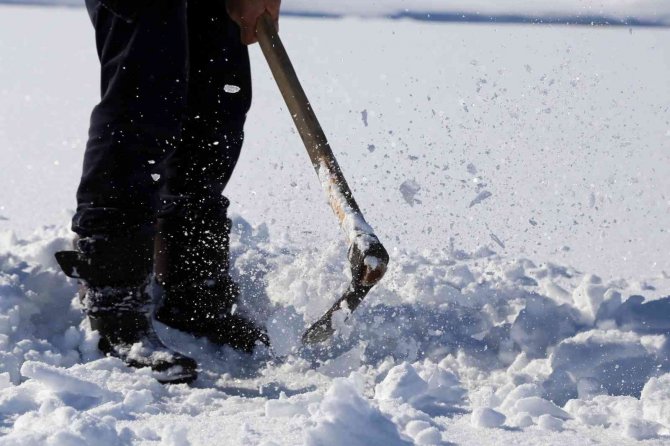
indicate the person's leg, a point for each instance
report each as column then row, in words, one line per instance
column 219, row 97
column 143, row 51
column 143, row 56
column 192, row 265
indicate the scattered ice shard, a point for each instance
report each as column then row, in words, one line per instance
column 592, row 200
column 497, row 240
column 409, row 190
column 483, row 195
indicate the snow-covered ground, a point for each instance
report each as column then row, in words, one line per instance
column 489, row 158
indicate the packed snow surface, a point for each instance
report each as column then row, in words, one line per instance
column 449, row 344
column 512, row 154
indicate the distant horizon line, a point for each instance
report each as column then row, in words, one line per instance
column 446, row 17
column 475, row 17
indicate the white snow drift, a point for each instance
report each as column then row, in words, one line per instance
column 448, row 336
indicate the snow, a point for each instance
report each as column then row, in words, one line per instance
column 536, row 406
column 487, row 417
column 550, row 423
column 467, row 340
column 418, row 358
column 345, row 417
column 402, row 382
column 409, row 190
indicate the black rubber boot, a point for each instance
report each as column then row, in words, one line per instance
column 192, row 251
column 114, row 275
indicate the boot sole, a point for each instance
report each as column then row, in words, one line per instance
column 185, row 379
column 162, row 376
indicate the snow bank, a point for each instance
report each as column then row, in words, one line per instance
column 36, row 319
column 446, row 335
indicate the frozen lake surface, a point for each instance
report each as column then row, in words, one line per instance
column 517, row 174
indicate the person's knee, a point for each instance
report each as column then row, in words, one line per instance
column 91, row 220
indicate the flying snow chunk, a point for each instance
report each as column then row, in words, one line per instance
column 364, row 117
column 409, row 190
column 496, row 239
column 231, row 88
column 483, row 195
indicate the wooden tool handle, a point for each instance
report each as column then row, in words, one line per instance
column 296, row 100
column 367, row 257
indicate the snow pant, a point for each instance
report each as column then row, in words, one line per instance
column 175, row 90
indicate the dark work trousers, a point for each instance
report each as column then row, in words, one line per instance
column 176, row 88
